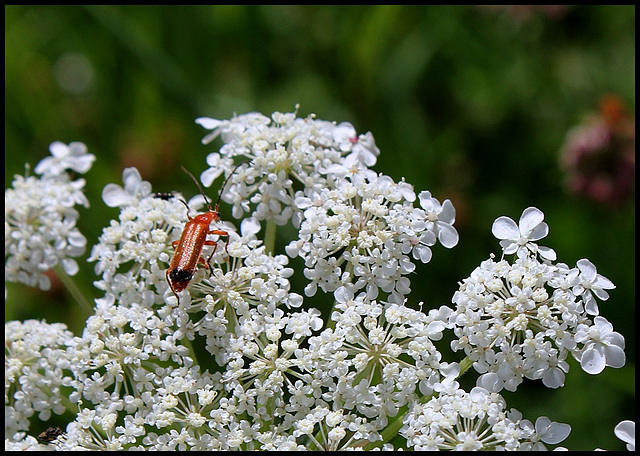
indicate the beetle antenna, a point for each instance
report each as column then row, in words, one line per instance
column 227, row 180
column 199, row 186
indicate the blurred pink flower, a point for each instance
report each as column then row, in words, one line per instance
column 599, row 155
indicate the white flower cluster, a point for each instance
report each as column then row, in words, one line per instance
column 131, row 253
column 40, row 220
column 357, row 228
column 522, row 319
column 290, row 157
column 361, row 232
column 373, row 340
column 36, row 370
column 475, row 421
column 237, row 362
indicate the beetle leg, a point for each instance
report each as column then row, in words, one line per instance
column 207, row 263
column 222, row 233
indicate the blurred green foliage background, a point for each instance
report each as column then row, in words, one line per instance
column 471, row 103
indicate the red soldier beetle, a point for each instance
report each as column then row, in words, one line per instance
column 188, row 250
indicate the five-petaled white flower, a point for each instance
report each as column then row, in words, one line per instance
column 73, row 156
column 134, row 189
column 602, row 346
column 591, row 283
column 516, row 238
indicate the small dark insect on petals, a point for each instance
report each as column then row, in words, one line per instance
column 164, row 196
column 50, row 434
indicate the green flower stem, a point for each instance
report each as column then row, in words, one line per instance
column 465, row 364
column 187, row 343
column 270, row 236
column 394, row 425
column 73, row 289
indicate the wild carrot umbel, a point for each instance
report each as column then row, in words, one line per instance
column 242, row 361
